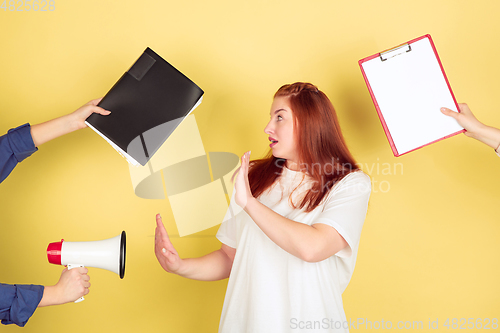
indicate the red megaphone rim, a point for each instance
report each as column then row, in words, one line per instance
column 54, row 252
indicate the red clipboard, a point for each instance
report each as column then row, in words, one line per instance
column 408, row 86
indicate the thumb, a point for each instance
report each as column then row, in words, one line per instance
column 166, row 253
column 100, row 110
column 449, row 113
column 171, row 257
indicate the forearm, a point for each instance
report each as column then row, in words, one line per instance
column 50, row 296
column 301, row 240
column 488, row 135
column 52, row 129
column 211, row 267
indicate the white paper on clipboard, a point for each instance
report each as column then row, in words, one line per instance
column 408, row 88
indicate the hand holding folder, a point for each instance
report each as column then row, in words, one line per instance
column 147, row 104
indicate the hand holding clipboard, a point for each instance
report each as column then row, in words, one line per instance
column 474, row 128
column 406, row 81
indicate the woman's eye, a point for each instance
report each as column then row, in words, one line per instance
column 280, row 117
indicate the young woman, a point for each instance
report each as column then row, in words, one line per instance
column 290, row 251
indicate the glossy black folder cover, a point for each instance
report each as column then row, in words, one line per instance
column 147, row 103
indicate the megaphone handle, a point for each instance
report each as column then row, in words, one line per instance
column 70, row 266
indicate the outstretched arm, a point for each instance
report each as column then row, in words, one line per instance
column 475, row 129
column 214, row 266
column 54, row 128
column 21, row 142
column 19, row 302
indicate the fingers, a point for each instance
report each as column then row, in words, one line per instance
column 74, row 283
column 162, row 241
column 243, row 163
column 245, row 160
column 164, row 250
column 101, row 111
column 81, row 270
column 242, row 166
column 242, row 187
column 159, row 221
column 97, row 109
column 85, row 283
column 80, row 115
column 82, row 274
column 160, row 232
column 464, row 110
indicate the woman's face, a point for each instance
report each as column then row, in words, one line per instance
column 280, row 130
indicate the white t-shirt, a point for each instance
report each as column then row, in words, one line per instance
column 270, row 290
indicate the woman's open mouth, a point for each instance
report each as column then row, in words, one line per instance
column 273, row 142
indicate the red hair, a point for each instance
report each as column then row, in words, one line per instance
column 322, row 152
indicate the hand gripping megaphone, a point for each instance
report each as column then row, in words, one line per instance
column 106, row 254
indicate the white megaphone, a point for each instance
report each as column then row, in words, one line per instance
column 106, row 254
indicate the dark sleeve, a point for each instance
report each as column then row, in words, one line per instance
column 15, row 146
column 18, row 302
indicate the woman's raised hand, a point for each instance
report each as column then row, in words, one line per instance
column 242, row 186
column 165, row 252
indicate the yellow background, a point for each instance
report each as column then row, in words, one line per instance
column 430, row 245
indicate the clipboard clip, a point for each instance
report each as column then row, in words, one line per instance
column 398, row 50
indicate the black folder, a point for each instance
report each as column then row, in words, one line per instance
column 147, row 103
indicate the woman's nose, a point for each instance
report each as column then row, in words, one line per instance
column 268, row 129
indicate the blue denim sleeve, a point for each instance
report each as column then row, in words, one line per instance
column 18, row 302
column 15, row 146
